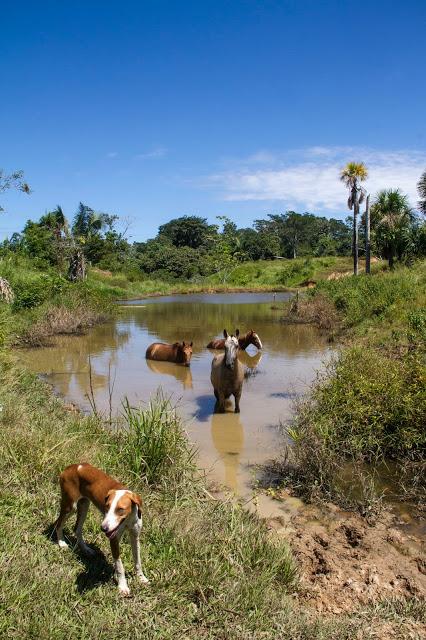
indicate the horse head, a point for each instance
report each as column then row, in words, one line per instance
column 231, row 348
column 185, row 350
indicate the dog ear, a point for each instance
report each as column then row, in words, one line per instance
column 225, row 333
column 138, row 502
column 237, row 333
column 108, row 495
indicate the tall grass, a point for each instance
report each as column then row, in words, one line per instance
column 370, row 403
column 153, row 444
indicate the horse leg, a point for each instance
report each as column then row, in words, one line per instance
column 237, row 396
column 220, row 403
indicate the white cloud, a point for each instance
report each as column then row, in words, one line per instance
column 112, row 154
column 308, row 179
column 157, row 152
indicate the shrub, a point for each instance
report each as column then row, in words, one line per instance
column 367, row 405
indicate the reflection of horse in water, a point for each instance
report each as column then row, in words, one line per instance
column 182, row 374
column 228, row 439
column 249, row 361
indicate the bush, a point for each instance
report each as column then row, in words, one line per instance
column 32, row 291
column 368, row 405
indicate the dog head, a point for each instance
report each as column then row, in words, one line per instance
column 122, row 508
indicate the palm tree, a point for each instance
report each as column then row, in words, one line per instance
column 351, row 176
column 421, row 186
column 392, row 219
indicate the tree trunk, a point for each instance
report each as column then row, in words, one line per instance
column 355, row 233
column 391, row 260
column 77, row 266
column 367, row 235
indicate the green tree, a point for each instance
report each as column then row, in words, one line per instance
column 392, row 221
column 351, row 176
column 189, row 231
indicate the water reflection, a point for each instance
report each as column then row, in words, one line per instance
column 181, row 373
column 228, row 438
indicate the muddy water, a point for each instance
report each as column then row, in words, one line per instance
column 229, row 444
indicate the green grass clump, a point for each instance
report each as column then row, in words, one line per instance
column 368, row 406
column 154, row 446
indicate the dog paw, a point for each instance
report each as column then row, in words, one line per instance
column 124, row 591
column 62, row 544
column 143, row 579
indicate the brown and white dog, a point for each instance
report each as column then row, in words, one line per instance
column 82, row 484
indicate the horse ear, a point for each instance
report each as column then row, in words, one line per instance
column 225, row 333
column 190, row 344
column 183, row 343
column 237, row 332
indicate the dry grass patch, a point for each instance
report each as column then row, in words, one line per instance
column 61, row 320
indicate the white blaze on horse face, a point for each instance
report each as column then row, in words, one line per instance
column 231, row 351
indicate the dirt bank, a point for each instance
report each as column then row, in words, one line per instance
column 345, row 562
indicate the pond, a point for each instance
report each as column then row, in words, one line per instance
column 229, row 445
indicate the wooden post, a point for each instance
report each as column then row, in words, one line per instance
column 367, row 234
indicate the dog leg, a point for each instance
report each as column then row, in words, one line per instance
column 82, row 508
column 136, row 552
column 67, row 506
column 119, row 574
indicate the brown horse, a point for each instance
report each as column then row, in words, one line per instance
column 177, row 352
column 227, row 374
column 250, row 338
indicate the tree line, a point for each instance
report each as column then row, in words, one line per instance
column 189, row 246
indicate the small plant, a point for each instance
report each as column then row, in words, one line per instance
column 154, row 444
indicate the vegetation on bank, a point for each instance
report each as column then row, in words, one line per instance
column 46, row 303
column 370, row 404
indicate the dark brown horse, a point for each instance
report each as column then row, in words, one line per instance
column 180, row 353
column 250, row 338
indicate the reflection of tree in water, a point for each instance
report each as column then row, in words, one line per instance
column 68, row 359
column 200, row 322
column 228, row 439
column 178, row 371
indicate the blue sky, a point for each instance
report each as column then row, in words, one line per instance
column 159, row 108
